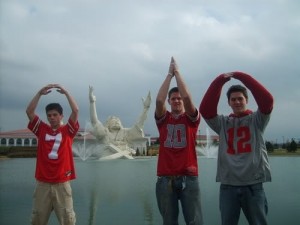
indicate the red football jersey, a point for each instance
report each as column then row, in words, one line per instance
column 177, row 151
column 55, row 161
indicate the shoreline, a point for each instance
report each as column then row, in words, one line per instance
column 30, row 152
column 3, row 157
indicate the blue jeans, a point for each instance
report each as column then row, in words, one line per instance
column 171, row 190
column 251, row 199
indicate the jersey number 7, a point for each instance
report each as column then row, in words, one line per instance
column 57, row 141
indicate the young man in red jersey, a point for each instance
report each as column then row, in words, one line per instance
column 177, row 167
column 243, row 164
column 54, row 164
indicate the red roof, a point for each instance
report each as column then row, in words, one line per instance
column 26, row 133
column 23, row 133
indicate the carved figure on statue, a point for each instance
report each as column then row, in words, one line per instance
column 119, row 142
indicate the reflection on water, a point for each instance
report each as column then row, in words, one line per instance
column 93, row 207
column 123, row 192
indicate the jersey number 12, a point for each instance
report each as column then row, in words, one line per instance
column 242, row 140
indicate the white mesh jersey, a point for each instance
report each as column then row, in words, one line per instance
column 242, row 157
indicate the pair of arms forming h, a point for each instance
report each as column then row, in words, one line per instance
column 30, row 111
column 209, row 104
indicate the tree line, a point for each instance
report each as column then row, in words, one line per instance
column 290, row 146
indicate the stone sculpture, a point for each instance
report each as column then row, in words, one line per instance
column 119, row 142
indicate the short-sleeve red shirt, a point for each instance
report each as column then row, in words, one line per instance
column 55, row 161
column 177, row 151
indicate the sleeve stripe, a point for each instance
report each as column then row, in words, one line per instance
column 36, row 126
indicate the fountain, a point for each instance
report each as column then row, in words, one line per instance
column 85, row 146
column 208, row 150
column 84, row 151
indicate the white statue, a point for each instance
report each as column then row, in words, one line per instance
column 117, row 138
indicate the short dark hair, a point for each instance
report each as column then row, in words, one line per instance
column 237, row 88
column 173, row 90
column 54, row 106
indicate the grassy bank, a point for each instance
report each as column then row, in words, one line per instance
column 284, row 152
column 18, row 152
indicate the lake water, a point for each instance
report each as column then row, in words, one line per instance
column 122, row 192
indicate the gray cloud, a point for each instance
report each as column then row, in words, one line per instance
column 123, row 49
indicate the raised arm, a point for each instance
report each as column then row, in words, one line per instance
column 93, row 111
column 209, row 103
column 189, row 106
column 99, row 130
column 262, row 96
column 160, row 104
column 146, row 103
column 136, row 131
column 30, row 110
column 73, row 105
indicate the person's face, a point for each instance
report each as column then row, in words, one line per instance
column 54, row 118
column 176, row 103
column 237, row 102
column 115, row 124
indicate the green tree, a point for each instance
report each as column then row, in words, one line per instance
column 284, row 146
column 269, row 146
column 293, row 146
column 137, row 153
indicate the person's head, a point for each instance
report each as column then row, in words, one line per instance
column 175, row 101
column 237, row 98
column 54, row 113
column 113, row 123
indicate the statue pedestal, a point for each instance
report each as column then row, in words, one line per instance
column 116, row 153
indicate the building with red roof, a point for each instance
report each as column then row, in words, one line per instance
column 24, row 137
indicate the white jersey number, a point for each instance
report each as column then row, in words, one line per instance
column 57, row 141
column 176, row 137
column 242, row 140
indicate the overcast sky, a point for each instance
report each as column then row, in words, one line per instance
column 123, row 49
